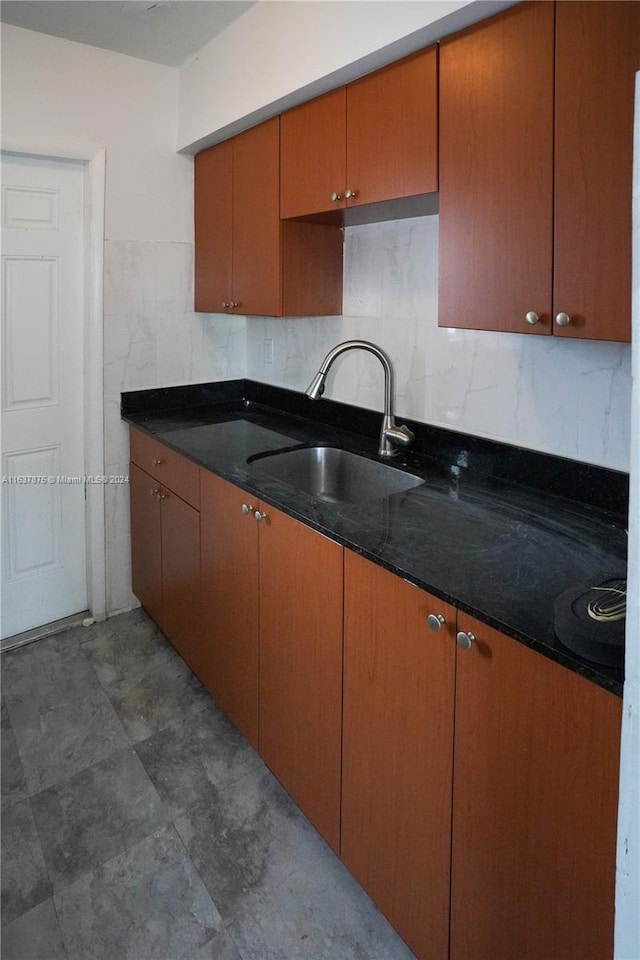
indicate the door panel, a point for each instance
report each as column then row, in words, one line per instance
column 392, row 131
column 535, row 806
column 496, row 172
column 146, row 542
column 213, row 214
column 256, row 220
column 313, row 157
column 597, row 56
column 230, row 602
column 301, row 666
column 44, row 548
column 181, row 578
column 398, row 751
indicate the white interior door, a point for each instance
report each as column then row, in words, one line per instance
column 43, row 485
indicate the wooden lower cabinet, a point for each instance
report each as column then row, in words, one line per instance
column 272, row 631
column 472, row 792
column 165, row 560
column 300, row 575
column 398, row 751
column 146, row 542
column 535, row 794
column 181, row 613
column 230, row 601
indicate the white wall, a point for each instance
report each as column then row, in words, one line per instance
column 566, row 397
column 59, row 94
column 280, row 53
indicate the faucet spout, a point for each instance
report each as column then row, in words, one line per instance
column 391, row 435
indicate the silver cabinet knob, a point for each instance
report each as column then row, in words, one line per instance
column 156, row 463
column 260, row 516
column 336, row 196
column 247, row 508
column 161, row 496
column 153, row 492
column 532, row 318
column 435, row 621
column 351, row 194
column 464, row 640
column 563, row 320
column 225, row 304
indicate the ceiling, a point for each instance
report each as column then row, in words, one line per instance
column 158, row 30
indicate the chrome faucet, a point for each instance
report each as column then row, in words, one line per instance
column 390, row 433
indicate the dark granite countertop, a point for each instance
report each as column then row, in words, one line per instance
column 488, row 531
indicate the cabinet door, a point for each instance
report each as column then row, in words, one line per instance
column 256, row 220
column 301, row 666
column 312, row 156
column 392, row 131
column 597, row 55
column 496, row 172
column 398, row 751
column 535, row 805
column 181, row 577
column 230, row 602
column 146, row 542
column 213, row 227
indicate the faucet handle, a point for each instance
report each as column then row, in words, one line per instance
column 401, row 435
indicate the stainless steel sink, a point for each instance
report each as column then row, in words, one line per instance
column 334, row 475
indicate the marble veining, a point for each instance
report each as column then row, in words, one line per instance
column 568, row 398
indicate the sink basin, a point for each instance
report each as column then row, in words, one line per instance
column 334, row 475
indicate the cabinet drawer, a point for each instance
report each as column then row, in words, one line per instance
column 174, row 471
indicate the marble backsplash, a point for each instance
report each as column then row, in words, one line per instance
column 152, row 337
column 568, row 398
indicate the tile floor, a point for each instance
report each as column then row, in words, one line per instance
column 137, row 823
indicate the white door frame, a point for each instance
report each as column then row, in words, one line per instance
column 94, row 159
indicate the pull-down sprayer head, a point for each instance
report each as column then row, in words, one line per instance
column 391, row 435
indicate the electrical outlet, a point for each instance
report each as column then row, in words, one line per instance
column 267, row 350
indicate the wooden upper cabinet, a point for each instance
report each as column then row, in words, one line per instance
column 597, row 55
column 375, row 139
column 256, row 220
column 312, row 156
column 536, row 766
column 398, row 751
column 237, row 224
column 213, row 227
column 536, row 137
column 392, row 131
column 247, row 261
column 496, row 172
